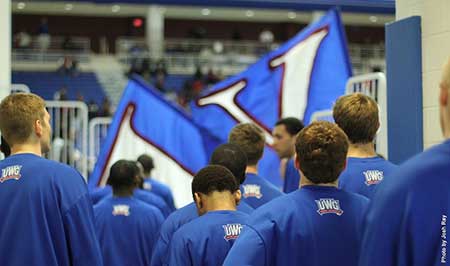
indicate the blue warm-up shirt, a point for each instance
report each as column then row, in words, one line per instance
column 207, row 239
column 291, row 177
column 47, row 216
column 146, row 196
column 127, row 229
column 362, row 175
column 161, row 190
column 257, row 191
column 315, row 226
column 407, row 221
column 173, row 223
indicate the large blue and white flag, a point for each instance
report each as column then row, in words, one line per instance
column 145, row 122
column 305, row 75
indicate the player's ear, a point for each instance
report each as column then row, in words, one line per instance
column 296, row 163
column 38, row 127
column 198, row 201
column 237, row 196
column 443, row 97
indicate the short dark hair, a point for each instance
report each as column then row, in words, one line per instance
column 146, row 162
column 214, row 178
column 357, row 115
column 250, row 139
column 123, row 174
column 233, row 158
column 292, row 124
column 321, row 151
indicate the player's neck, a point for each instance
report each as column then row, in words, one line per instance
column 304, row 181
column 220, row 201
column 123, row 192
column 26, row 148
column 361, row 150
column 251, row 169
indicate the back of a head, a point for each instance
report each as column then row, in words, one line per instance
column 357, row 115
column 292, row 125
column 250, row 139
column 233, row 158
column 147, row 163
column 214, row 178
column 321, row 151
column 18, row 113
column 122, row 174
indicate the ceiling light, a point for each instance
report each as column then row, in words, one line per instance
column 115, row 8
column 20, row 5
column 68, row 7
column 249, row 13
column 373, row 19
column 206, row 12
column 292, row 15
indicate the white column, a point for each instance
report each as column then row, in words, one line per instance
column 5, row 48
column 155, row 31
column 435, row 52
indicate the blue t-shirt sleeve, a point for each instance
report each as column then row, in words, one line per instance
column 249, row 249
column 80, row 233
column 161, row 249
column 381, row 232
column 179, row 250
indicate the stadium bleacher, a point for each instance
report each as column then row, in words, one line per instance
column 46, row 84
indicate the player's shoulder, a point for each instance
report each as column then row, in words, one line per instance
column 424, row 165
column 276, row 208
column 179, row 217
column 143, row 206
column 354, row 198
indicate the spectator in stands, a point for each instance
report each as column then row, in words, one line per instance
column 160, row 79
column 211, row 78
column 44, row 35
column 22, row 39
column 105, row 110
column 93, row 109
column 68, row 44
column 61, row 94
column 266, row 38
column 139, row 63
column 69, row 66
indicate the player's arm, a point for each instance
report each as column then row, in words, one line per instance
column 179, row 251
column 80, row 233
column 381, row 233
column 161, row 250
column 249, row 249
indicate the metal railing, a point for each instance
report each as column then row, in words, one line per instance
column 125, row 44
column 374, row 85
column 53, row 49
column 98, row 130
column 69, row 120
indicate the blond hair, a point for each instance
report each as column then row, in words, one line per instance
column 250, row 139
column 357, row 115
column 18, row 113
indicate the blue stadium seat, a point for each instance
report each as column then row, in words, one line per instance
column 46, row 84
